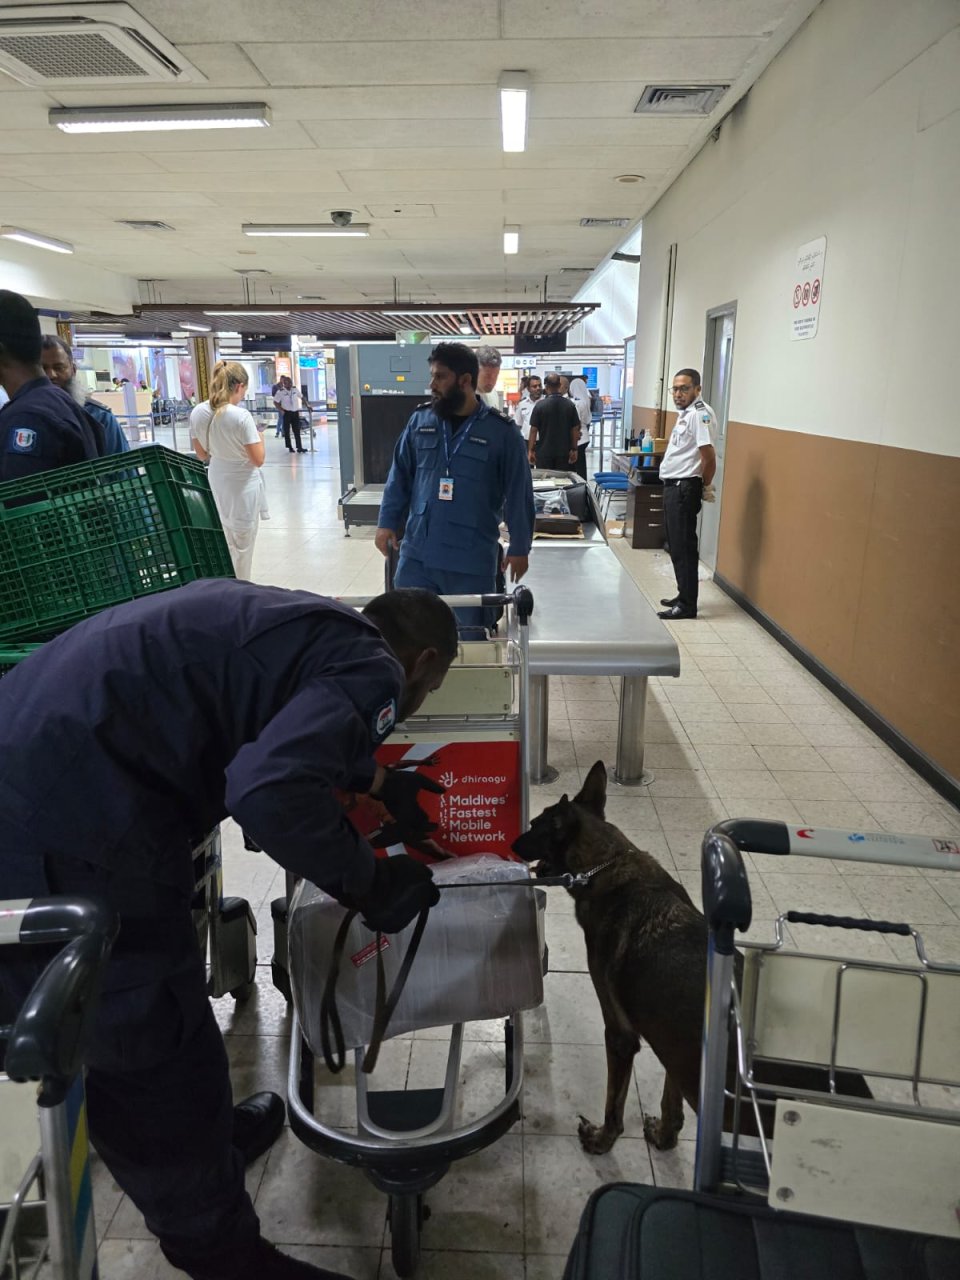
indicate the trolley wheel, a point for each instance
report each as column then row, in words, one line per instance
column 406, row 1216
column 243, row 992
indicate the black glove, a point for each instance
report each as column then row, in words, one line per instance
column 399, row 795
column 400, row 890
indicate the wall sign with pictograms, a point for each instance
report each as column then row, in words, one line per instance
column 807, row 289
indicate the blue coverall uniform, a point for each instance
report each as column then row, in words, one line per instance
column 114, row 437
column 121, row 742
column 41, row 427
column 452, row 546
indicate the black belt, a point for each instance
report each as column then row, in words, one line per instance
column 681, row 479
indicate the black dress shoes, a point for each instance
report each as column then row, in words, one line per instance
column 675, row 612
column 668, row 604
column 301, row 451
column 257, row 1124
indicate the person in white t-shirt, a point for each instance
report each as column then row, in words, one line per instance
column 580, row 396
column 227, row 435
column 687, row 472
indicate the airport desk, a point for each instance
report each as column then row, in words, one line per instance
column 591, row 619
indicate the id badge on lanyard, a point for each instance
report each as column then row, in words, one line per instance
column 445, row 493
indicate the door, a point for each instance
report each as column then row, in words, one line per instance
column 717, row 368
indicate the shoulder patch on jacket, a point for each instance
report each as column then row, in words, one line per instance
column 385, row 719
column 698, row 404
column 22, row 440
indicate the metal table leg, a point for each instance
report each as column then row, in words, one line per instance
column 541, row 772
column 633, row 709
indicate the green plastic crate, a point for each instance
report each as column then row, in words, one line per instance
column 9, row 657
column 79, row 539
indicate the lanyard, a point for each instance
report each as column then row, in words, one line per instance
column 448, row 453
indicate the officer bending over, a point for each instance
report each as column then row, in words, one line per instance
column 121, row 743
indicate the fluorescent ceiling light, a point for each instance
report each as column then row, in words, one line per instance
column 229, row 115
column 99, row 337
column 33, row 238
column 199, row 328
column 228, row 334
column 304, row 229
column 514, row 89
column 238, row 311
column 466, row 328
column 511, row 240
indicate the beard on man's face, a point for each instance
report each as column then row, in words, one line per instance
column 76, row 391
column 451, row 404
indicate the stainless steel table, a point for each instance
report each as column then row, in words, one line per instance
column 591, row 619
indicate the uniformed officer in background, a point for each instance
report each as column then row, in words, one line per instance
column 40, row 426
column 457, row 467
column 687, row 469
column 123, row 741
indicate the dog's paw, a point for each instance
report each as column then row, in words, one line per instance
column 596, row 1139
column 658, row 1135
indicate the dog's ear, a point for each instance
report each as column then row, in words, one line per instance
column 593, row 793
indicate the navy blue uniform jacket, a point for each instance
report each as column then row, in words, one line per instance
column 491, row 478
column 41, row 428
column 136, row 731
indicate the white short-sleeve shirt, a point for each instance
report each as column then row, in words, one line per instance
column 223, row 435
column 694, row 428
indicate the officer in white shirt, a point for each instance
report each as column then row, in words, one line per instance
column 687, row 471
column 289, row 401
column 521, row 414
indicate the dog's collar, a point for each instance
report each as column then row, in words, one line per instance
column 584, row 877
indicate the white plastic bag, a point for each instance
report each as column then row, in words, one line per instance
column 480, row 955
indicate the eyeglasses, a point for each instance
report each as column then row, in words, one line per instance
column 684, row 390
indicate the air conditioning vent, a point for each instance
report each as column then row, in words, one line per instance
column 604, row 222
column 145, row 224
column 575, row 271
column 82, row 46
column 679, row 99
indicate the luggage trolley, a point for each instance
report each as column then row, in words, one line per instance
column 406, row 1139
column 46, row 1043
column 837, row 1183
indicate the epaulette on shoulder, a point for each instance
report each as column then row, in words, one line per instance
column 698, row 404
column 427, row 404
column 498, row 413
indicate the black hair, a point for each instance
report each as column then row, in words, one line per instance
column 458, row 358
column 19, row 328
column 49, row 340
column 411, row 619
column 692, row 374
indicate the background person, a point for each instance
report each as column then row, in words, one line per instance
column 524, row 409
column 490, row 360
column 60, row 368
column 458, row 466
column 125, row 739
column 554, row 429
column 580, row 396
column 227, row 435
column 41, row 427
column 290, row 401
column 687, row 469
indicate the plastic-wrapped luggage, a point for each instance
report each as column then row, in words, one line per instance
column 480, row 956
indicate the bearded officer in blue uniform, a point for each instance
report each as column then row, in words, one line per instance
column 123, row 740
column 459, row 467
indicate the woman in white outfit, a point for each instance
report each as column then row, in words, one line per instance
column 227, row 434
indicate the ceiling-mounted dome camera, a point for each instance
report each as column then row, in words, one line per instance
column 341, row 217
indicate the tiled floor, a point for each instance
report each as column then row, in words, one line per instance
column 744, row 731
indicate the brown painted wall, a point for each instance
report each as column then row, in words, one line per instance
column 853, row 549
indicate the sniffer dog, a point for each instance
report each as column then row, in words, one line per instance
column 647, row 954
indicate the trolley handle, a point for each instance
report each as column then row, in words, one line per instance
column 49, row 1036
column 849, row 922
column 726, row 893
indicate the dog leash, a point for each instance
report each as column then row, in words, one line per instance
column 568, row 880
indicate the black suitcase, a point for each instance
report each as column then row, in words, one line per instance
column 630, row 1232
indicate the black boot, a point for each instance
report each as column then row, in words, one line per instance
column 262, row 1261
column 257, row 1124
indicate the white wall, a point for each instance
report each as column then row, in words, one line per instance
column 853, row 132
column 614, row 286
column 56, row 280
